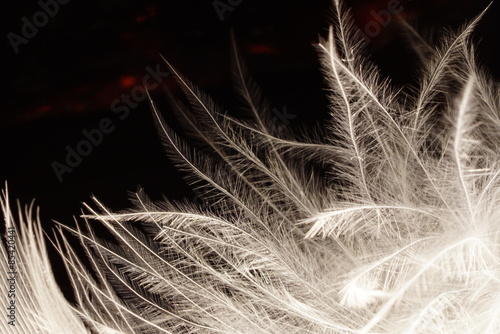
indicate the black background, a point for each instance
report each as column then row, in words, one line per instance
column 66, row 77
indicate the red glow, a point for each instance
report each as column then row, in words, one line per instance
column 365, row 13
column 261, row 49
column 127, row 81
column 140, row 19
column 126, row 36
column 44, row 109
column 151, row 9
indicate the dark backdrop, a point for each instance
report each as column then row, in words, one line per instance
column 64, row 79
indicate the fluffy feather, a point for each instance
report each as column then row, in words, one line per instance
column 386, row 222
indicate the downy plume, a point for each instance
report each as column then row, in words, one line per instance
column 386, row 220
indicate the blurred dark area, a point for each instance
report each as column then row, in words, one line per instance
column 64, row 79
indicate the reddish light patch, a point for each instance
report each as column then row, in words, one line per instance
column 261, row 49
column 126, row 36
column 80, row 107
column 44, row 109
column 364, row 13
column 140, row 19
column 127, row 81
column 151, row 9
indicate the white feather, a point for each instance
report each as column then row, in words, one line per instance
column 399, row 232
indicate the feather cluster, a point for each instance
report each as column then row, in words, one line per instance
column 385, row 220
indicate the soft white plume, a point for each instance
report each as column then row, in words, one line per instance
column 387, row 221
